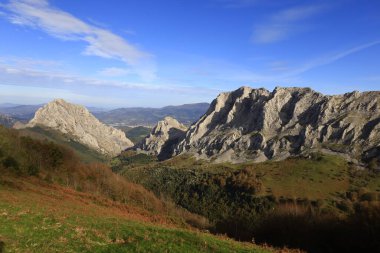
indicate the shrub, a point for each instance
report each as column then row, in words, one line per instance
column 11, row 164
column 369, row 196
column 33, row 170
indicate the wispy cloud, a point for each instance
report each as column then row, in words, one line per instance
column 114, row 72
column 11, row 73
column 284, row 23
column 39, row 14
column 331, row 58
column 29, row 62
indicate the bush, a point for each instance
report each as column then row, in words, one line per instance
column 11, row 164
column 33, row 170
column 369, row 196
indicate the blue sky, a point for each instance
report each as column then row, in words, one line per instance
column 154, row 53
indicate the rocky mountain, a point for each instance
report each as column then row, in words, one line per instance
column 256, row 124
column 163, row 138
column 138, row 116
column 6, row 121
column 76, row 121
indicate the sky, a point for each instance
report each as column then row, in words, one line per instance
column 127, row 53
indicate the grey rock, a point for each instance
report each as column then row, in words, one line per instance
column 162, row 139
column 78, row 122
column 256, row 124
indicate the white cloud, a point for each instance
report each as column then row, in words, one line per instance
column 12, row 74
column 114, row 72
column 39, row 14
column 284, row 23
column 29, row 62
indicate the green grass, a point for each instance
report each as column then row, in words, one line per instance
column 136, row 134
column 37, row 232
column 321, row 176
column 317, row 178
column 52, row 220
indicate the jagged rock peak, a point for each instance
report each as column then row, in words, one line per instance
column 256, row 124
column 77, row 122
column 163, row 126
column 163, row 138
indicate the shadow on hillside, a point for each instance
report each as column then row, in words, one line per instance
column 295, row 227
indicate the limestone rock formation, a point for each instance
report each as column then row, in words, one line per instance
column 163, row 138
column 256, row 124
column 77, row 122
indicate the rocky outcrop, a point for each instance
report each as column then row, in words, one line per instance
column 77, row 122
column 163, row 138
column 256, row 124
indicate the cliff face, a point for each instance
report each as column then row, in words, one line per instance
column 78, row 122
column 256, row 124
column 163, row 138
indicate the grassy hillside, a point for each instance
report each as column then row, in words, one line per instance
column 50, row 201
column 39, row 217
column 278, row 202
column 85, row 153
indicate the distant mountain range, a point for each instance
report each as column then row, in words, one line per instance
column 23, row 113
column 6, row 120
column 137, row 116
column 185, row 114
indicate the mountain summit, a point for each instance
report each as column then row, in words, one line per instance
column 78, row 122
column 163, row 138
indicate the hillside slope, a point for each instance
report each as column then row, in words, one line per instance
column 37, row 217
column 85, row 153
column 319, row 203
column 52, row 202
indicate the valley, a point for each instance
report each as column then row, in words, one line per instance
column 213, row 126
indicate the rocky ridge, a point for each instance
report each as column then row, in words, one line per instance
column 77, row 122
column 256, row 124
column 163, row 138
